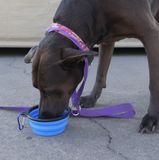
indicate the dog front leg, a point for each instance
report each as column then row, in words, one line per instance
column 105, row 54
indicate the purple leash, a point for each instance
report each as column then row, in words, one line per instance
column 15, row 108
column 117, row 111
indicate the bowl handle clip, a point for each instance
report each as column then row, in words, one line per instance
column 21, row 120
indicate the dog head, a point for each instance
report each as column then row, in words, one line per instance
column 56, row 72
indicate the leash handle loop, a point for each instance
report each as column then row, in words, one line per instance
column 21, row 120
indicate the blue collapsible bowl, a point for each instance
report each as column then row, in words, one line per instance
column 47, row 127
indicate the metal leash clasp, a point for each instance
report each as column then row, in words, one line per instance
column 76, row 112
column 21, row 120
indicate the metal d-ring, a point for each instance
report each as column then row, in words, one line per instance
column 77, row 111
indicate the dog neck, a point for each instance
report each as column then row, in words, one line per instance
column 83, row 22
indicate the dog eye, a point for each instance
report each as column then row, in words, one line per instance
column 64, row 68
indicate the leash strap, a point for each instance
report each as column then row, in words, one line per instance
column 125, row 111
column 75, row 98
column 15, row 108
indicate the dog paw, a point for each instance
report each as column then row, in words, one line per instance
column 148, row 124
column 87, row 101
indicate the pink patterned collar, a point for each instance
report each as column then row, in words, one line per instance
column 63, row 30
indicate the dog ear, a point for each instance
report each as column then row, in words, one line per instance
column 28, row 58
column 72, row 57
column 35, row 69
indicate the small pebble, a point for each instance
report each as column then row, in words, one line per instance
column 28, row 138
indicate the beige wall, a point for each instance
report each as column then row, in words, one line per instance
column 23, row 22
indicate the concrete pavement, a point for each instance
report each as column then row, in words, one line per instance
column 84, row 139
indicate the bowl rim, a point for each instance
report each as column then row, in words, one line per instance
column 47, row 120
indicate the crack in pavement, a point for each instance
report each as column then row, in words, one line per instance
column 110, row 139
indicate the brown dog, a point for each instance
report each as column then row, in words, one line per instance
column 58, row 64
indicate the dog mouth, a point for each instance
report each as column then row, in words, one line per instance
column 51, row 111
column 46, row 115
